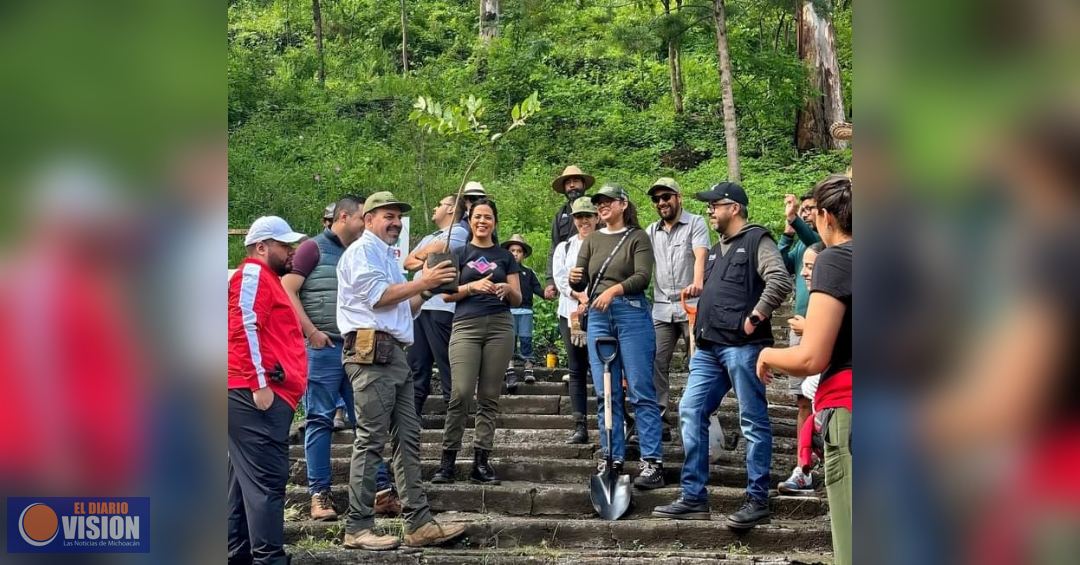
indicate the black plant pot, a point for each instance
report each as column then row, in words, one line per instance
column 434, row 259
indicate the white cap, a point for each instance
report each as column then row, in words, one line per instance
column 271, row 227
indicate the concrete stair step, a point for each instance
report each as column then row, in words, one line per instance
column 778, row 392
column 560, row 404
column 503, row 532
column 780, row 427
column 554, row 471
column 782, row 459
column 515, row 498
column 331, row 553
column 543, row 437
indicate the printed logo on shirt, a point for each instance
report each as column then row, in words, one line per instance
column 482, row 265
column 740, row 250
column 712, row 257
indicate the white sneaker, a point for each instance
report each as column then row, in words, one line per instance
column 800, row 483
column 566, row 378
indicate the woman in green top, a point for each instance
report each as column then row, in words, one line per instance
column 618, row 307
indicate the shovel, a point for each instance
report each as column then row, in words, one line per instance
column 610, row 493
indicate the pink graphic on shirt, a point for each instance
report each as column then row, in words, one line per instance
column 482, row 265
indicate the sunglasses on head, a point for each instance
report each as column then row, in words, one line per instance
column 658, row 198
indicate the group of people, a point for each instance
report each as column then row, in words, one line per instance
column 345, row 326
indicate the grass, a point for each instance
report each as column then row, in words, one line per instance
column 737, row 548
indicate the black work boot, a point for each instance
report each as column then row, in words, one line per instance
column 445, row 474
column 652, row 475
column 482, row 472
column 752, row 513
column 581, row 432
column 683, row 510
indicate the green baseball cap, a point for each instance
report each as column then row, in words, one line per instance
column 582, row 206
column 384, row 199
column 613, row 191
column 665, row 182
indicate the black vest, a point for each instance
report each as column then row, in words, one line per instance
column 732, row 289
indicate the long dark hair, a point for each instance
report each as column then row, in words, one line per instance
column 629, row 215
column 485, row 201
column 834, row 196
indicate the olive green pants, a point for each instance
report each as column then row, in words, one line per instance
column 838, row 482
column 480, row 350
column 385, row 410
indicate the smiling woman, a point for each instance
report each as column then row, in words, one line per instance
column 481, row 343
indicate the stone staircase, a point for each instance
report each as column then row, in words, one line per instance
column 541, row 512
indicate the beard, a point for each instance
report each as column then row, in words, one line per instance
column 573, row 194
column 670, row 213
column 280, row 267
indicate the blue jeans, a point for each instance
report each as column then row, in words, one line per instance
column 714, row 370
column 327, row 388
column 523, row 334
column 629, row 320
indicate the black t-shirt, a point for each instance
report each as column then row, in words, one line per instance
column 477, row 263
column 832, row 276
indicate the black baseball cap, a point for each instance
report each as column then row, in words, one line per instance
column 725, row 191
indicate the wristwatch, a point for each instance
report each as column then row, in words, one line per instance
column 755, row 319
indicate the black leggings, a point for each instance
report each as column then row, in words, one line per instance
column 577, row 360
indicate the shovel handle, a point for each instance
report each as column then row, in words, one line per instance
column 607, row 400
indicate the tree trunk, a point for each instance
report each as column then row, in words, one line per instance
column 824, row 104
column 674, row 68
column 316, row 14
column 724, row 66
column 489, row 19
column 404, row 40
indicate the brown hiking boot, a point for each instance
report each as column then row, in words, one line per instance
column 387, row 503
column 367, row 539
column 433, row 533
column 322, row 508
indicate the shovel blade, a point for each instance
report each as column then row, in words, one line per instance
column 610, row 495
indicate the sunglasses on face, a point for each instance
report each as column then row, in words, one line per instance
column 658, row 198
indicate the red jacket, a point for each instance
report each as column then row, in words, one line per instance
column 263, row 333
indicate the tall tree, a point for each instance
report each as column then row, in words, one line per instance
column 316, row 13
column 824, row 104
column 731, row 136
column 674, row 66
column 404, row 40
column 489, row 19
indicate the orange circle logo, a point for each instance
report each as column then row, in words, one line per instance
column 38, row 524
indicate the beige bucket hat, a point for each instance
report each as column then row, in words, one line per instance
column 571, row 171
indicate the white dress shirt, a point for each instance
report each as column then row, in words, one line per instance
column 367, row 268
column 565, row 258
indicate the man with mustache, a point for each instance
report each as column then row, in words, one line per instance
column 375, row 310
column 573, row 183
column 680, row 244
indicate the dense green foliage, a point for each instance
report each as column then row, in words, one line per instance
column 599, row 67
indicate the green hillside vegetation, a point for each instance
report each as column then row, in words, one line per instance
column 600, row 69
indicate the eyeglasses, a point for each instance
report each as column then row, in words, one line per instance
column 605, row 203
column 714, row 205
column 658, row 198
column 807, row 208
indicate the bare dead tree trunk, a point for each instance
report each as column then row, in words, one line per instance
column 404, row 40
column 824, row 105
column 489, row 20
column 724, row 65
column 674, row 67
column 316, row 14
